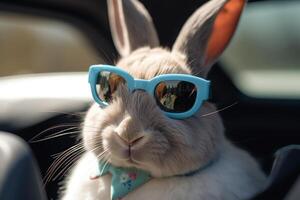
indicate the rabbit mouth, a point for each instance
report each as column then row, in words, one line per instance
column 123, row 153
column 132, row 161
column 129, row 161
column 130, row 155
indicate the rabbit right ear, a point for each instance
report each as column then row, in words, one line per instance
column 207, row 33
column 131, row 26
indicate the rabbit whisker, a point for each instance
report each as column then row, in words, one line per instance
column 220, row 110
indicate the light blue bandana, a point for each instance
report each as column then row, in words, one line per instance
column 124, row 180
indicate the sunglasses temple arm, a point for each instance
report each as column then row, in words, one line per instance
column 210, row 95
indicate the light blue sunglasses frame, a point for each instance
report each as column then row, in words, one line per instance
column 201, row 84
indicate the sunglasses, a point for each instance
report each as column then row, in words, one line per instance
column 179, row 96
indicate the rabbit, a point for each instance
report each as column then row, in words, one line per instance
column 168, row 149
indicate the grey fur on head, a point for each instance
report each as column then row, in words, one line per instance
column 162, row 146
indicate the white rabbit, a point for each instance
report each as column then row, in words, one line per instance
column 166, row 148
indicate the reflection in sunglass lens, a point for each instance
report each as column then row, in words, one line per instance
column 107, row 84
column 175, row 96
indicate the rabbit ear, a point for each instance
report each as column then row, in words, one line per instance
column 131, row 26
column 207, row 33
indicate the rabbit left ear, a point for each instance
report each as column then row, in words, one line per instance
column 207, row 33
column 131, row 26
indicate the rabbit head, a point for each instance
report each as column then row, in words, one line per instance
column 132, row 131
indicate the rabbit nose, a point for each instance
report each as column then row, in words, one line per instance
column 129, row 131
column 131, row 142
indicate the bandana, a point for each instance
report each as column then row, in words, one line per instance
column 124, row 180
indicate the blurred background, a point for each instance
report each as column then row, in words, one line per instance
column 36, row 44
column 262, row 60
column 47, row 46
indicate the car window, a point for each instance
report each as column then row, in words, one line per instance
column 33, row 44
column 263, row 59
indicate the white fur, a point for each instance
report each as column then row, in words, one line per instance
column 234, row 174
column 180, row 145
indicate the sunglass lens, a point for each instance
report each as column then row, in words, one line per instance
column 108, row 83
column 175, row 96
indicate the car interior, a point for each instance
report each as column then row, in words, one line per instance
column 47, row 46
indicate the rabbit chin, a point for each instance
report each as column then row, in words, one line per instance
column 144, row 154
